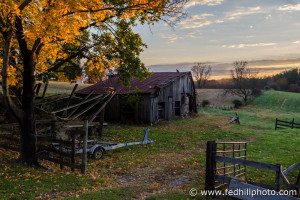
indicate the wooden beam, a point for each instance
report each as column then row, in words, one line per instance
column 249, row 163
column 78, row 104
column 101, row 108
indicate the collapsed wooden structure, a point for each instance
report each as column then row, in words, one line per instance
column 66, row 120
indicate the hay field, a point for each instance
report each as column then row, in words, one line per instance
column 215, row 97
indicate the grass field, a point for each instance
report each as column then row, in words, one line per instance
column 168, row 168
column 216, row 97
column 55, row 87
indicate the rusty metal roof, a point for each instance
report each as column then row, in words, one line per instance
column 149, row 85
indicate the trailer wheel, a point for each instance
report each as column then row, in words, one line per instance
column 98, row 153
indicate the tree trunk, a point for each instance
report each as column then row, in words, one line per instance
column 199, row 84
column 27, row 123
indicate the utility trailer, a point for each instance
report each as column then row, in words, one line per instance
column 97, row 149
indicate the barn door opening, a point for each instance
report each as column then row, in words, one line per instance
column 161, row 110
column 177, row 108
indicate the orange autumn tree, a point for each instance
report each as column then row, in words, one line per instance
column 35, row 34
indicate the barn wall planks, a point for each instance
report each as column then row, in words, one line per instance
column 160, row 104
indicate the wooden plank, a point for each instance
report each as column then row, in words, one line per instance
column 231, row 142
column 84, row 154
column 263, row 185
column 45, row 90
column 81, row 103
column 291, row 168
column 53, row 150
column 226, row 179
column 284, row 125
column 278, row 177
column 246, row 191
column 38, row 89
column 84, row 110
column 61, row 159
column 226, row 167
column 6, row 146
column 76, row 166
column 69, row 100
column 53, row 140
column 210, row 165
column 75, row 109
column 10, row 138
column 91, row 119
column 249, row 163
column 219, row 186
column 73, row 151
column 231, row 151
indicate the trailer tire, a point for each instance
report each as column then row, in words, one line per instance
column 98, row 153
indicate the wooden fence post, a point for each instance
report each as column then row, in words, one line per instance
column 278, row 177
column 211, row 148
column 84, row 153
column 73, row 151
column 276, row 124
column 293, row 123
column 61, row 156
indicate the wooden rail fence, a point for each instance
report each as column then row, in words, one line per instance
column 64, row 154
column 237, row 168
column 280, row 124
column 216, row 171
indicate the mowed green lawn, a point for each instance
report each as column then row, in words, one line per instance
column 170, row 167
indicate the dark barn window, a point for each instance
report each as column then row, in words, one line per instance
column 177, row 108
column 161, row 110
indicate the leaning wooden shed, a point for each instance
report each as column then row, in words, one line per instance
column 163, row 95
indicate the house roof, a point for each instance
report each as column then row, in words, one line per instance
column 149, row 85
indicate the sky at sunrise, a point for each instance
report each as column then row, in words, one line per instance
column 266, row 33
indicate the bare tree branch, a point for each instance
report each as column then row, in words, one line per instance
column 201, row 73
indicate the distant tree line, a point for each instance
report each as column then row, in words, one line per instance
column 288, row 80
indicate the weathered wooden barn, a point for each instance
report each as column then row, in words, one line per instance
column 163, row 95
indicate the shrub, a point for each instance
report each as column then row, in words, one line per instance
column 256, row 92
column 205, row 103
column 267, row 87
column 237, row 103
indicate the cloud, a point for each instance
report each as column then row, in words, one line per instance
column 240, row 46
column 219, row 21
column 193, row 34
column 171, row 38
column 290, row 7
column 242, row 11
column 197, row 21
column 192, row 3
column 296, row 42
column 269, row 17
